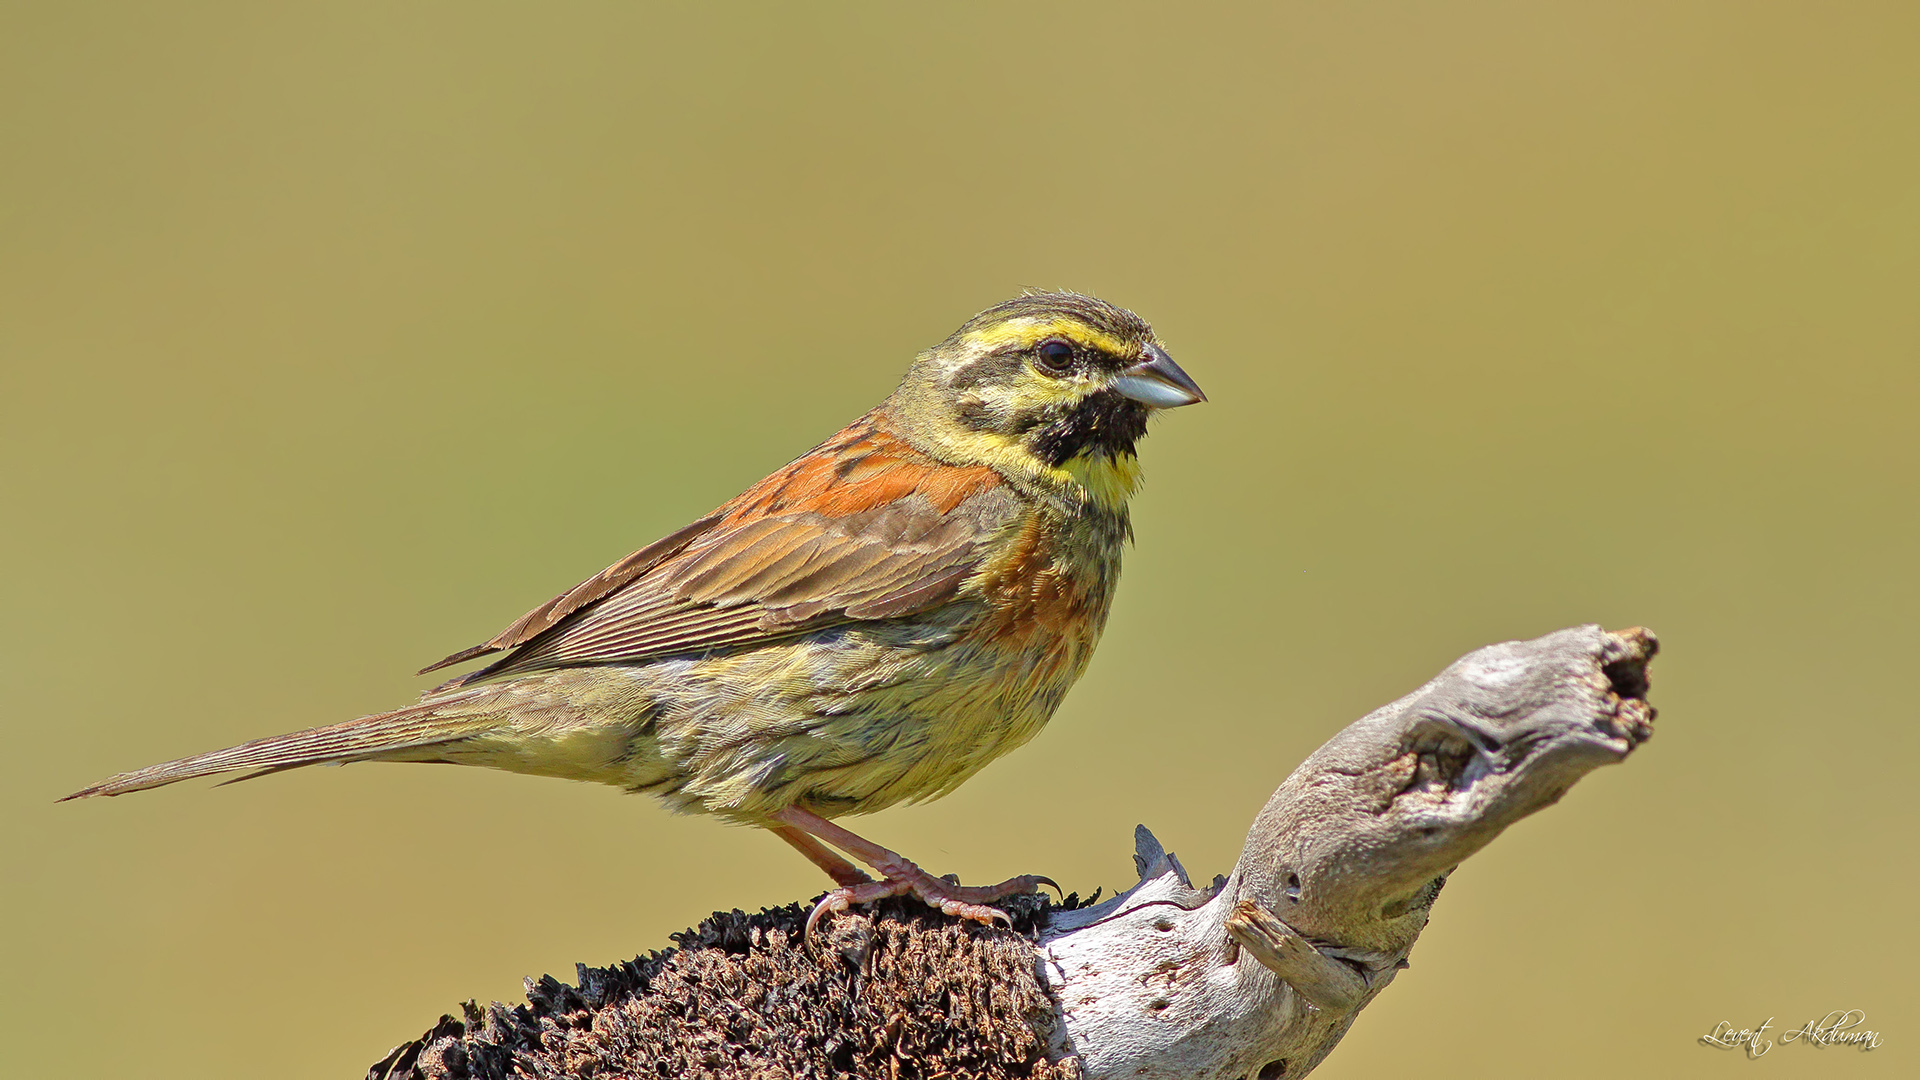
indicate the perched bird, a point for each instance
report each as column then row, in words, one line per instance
column 873, row 623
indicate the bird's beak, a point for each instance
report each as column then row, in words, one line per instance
column 1158, row 382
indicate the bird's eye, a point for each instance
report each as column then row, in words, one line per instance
column 1055, row 355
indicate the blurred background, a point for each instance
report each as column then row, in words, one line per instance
column 335, row 336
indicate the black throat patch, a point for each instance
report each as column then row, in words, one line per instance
column 1106, row 421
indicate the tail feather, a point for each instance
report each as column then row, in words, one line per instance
column 365, row 739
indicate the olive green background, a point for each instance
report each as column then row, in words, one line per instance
column 335, row 336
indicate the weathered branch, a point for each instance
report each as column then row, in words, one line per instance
column 1257, row 975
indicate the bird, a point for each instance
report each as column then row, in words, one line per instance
column 869, row 625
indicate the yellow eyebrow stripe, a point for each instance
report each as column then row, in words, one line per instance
column 1026, row 333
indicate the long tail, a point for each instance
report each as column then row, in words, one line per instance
column 386, row 735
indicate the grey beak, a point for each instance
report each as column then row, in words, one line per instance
column 1158, row 382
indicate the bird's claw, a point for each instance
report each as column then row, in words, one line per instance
column 952, row 898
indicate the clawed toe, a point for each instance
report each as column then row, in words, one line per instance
column 987, row 894
column 811, row 834
column 847, row 896
column 979, row 913
column 959, row 901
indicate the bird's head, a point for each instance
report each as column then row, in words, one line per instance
column 1052, row 387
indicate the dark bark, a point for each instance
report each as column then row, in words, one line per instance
column 906, row 992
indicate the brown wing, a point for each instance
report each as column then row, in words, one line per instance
column 862, row 527
column 596, row 588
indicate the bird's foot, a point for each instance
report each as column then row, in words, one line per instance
column 811, row 833
column 952, row 898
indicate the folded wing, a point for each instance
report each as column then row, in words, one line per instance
column 861, row 528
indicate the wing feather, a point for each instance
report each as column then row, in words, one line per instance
column 862, row 528
column 588, row 592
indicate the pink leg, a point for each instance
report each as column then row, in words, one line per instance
column 840, row 870
column 898, row 876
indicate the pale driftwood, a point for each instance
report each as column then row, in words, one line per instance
column 1341, row 868
column 1255, row 976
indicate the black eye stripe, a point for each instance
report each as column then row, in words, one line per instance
column 993, row 368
